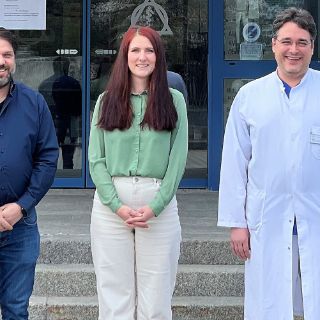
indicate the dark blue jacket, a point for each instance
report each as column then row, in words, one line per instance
column 175, row 81
column 28, row 148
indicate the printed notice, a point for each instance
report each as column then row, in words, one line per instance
column 23, row 14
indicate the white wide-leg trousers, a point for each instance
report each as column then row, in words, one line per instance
column 135, row 269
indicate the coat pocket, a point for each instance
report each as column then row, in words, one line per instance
column 254, row 208
column 315, row 141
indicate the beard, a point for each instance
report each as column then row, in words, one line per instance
column 6, row 80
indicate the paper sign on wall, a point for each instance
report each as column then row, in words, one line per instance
column 23, row 14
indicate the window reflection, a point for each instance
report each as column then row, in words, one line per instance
column 63, row 95
column 50, row 61
column 248, row 26
column 231, row 88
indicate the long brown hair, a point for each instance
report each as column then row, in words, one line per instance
column 116, row 111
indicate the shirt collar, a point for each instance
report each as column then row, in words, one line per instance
column 144, row 92
column 287, row 88
column 304, row 78
column 12, row 87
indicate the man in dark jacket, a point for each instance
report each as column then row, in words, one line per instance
column 28, row 159
column 175, row 81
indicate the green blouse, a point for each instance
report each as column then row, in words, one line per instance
column 139, row 152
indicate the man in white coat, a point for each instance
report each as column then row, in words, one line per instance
column 270, row 178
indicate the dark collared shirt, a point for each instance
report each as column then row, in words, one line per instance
column 28, row 147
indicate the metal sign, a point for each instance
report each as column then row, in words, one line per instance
column 149, row 8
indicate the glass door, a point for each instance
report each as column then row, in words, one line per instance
column 183, row 26
column 51, row 61
column 240, row 52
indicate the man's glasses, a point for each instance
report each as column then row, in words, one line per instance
column 302, row 43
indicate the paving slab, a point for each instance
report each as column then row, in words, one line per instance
column 66, row 213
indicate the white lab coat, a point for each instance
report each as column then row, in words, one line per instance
column 270, row 173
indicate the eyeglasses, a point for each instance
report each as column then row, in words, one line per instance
column 302, row 43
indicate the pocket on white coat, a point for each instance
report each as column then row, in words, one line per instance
column 315, row 141
column 254, row 207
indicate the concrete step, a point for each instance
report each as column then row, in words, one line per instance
column 210, row 280
column 75, row 249
column 192, row 280
column 184, row 308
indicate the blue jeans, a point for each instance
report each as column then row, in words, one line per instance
column 19, row 250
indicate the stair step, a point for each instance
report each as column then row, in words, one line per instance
column 207, row 308
column 66, row 308
column 65, row 280
column 184, row 308
column 75, row 249
column 210, row 280
column 192, row 280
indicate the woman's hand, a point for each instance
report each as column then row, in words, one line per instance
column 125, row 212
column 140, row 220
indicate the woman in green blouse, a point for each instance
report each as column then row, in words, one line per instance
column 137, row 155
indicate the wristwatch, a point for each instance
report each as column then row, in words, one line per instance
column 24, row 212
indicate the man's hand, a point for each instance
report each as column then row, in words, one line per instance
column 144, row 214
column 240, row 243
column 10, row 214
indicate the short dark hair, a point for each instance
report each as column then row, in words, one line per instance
column 10, row 37
column 299, row 16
